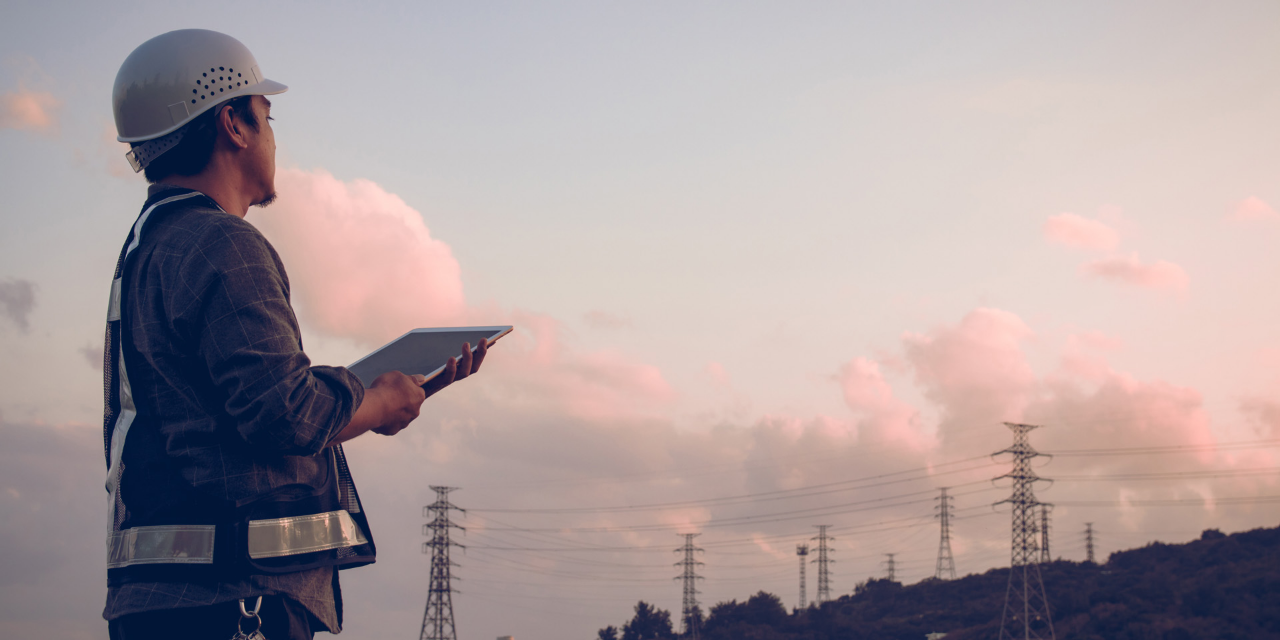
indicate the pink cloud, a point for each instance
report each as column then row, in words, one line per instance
column 883, row 418
column 1123, row 411
column 719, row 377
column 1130, row 269
column 29, row 110
column 1252, row 208
column 1081, row 357
column 363, row 262
column 1075, row 231
column 788, row 439
column 536, row 373
column 785, row 553
column 975, row 372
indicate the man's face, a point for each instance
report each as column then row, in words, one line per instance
column 261, row 154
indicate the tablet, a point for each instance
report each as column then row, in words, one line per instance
column 422, row 351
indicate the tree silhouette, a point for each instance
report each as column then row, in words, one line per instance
column 1221, row 586
column 649, row 623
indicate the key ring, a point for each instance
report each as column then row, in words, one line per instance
column 249, row 615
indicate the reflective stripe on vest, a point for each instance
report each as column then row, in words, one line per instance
column 178, row 544
column 127, row 408
column 193, row 544
column 303, row 534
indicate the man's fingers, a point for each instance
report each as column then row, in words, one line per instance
column 419, row 379
column 464, row 366
column 442, row 379
column 458, row 368
column 481, row 348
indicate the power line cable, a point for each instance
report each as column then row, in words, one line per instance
column 784, row 494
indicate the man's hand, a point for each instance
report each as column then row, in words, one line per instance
column 455, row 370
column 401, row 397
column 395, row 399
column 389, row 406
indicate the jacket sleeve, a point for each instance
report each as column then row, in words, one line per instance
column 249, row 341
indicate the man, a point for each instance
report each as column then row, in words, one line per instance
column 231, row 504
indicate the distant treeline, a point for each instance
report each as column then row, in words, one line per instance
column 1220, row 586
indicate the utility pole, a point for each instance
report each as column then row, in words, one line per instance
column 1045, row 557
column 892, row 576
column 802, row 550
column 1026, row 609
column 689, row 611
column 946, row 567
column 824, row 577
column 437, row 621
column 1088, row 542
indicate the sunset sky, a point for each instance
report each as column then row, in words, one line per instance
column 759, row 256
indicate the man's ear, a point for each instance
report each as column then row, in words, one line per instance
column 235, row 133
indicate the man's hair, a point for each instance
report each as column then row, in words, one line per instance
column 191, row 155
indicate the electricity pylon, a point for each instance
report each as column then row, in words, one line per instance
column 824, row 577
column 437, row 621
column 689, row 610
column 1045, row 556
column 802, row 550
column 892, row 575
column 1026, row 608
column 946, row 567
column 1088, row 542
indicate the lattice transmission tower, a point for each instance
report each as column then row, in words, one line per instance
column 824, row 576
column 802, row 550
column 1026, row 608
column 891, row 567
column 1045, row 556
column 1088, row 542
column 690, row 613
column 946, row 567
column 437, row 621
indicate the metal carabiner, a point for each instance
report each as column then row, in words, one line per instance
column 245, row 614
column 256, row 606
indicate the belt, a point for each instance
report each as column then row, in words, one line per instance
column 193, row 544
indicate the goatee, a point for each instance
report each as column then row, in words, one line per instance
column 266, row 202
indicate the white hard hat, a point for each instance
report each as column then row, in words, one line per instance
column 174, row 77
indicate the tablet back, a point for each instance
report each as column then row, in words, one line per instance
column 424, row 351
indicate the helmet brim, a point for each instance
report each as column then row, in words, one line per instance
column 264, row 88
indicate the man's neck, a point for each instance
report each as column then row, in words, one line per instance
column 223, row 188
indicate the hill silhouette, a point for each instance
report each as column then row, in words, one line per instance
column 1220, row 586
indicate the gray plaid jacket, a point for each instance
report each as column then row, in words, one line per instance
column 229, row 406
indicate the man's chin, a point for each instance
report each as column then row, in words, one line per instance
column 266, row 202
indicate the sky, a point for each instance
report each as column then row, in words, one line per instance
column 771, row 265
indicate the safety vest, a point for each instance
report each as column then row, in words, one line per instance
column 276, row 533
